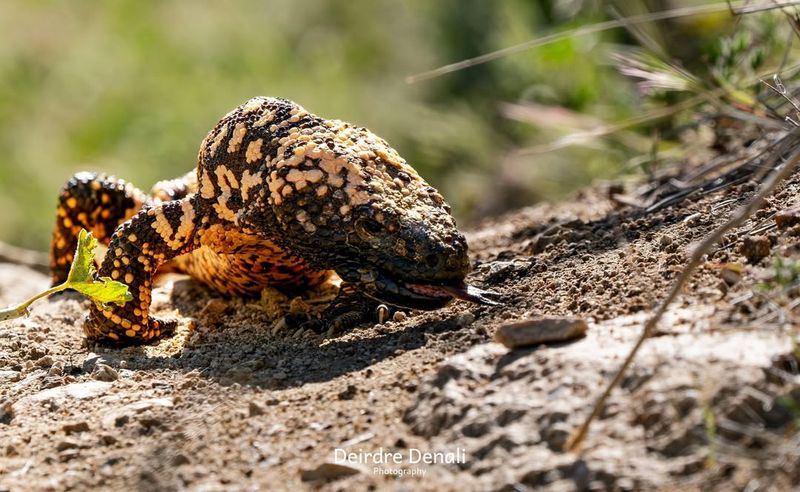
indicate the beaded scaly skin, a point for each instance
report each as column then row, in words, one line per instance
column 280, row 197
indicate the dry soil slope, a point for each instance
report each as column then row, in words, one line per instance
column 235, row 401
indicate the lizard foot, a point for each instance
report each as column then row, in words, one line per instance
column 347, row 311
column 116, row 331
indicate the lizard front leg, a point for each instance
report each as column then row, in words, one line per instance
column 90, row 201
column 349, row 309
column 152, row 237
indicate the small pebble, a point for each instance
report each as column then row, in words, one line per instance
column 328, row 471
column 180, row 459
column 254, row 409
column 754, row 248
column 56, row 370
column 464, row 319
column 536, row 331
column 45, row 361
column 66, row 444
column 787, row 217
column 348, row 393
column 103, row 372
column 75, row 427
column 108, row 439
column 91, row 360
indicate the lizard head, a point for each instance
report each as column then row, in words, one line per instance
column 347, row 201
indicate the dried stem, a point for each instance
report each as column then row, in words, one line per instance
column 738, row 8
column 574, row 443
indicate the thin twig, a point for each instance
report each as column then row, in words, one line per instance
column 741, row 7
column 574, row 442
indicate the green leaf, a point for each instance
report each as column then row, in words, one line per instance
column 82, row 269
column 80, row 278
column 81, row 275
column 103, row 291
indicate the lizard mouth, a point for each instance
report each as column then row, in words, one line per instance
column 427, row 295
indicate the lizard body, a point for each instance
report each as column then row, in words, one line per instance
column 280, row 197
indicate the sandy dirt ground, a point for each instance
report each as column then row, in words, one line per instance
column 238, row 401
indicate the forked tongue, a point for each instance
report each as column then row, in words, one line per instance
column 463, row 291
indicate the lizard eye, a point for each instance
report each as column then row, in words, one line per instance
column 368, row 228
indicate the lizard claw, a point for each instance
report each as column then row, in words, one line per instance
column 106, row 330
column 348, row 311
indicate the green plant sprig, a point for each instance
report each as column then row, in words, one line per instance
column 81, row 278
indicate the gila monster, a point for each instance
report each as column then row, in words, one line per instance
column 280, row 197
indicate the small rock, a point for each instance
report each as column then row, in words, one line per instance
column 149, row 422
column 56, row 370
column 787, row 217
column 91, row 360
column 254, row 409
column 68, row 454
column 75, row 427
column 66, row 444
column 399, row 316
column 180, row 459
column 556, row 435
column 108, row 439
column 37, row 351
column 536, row 331
column 45, row 361
column 103, row 372
column 116, row 420
column 464, row 319
column 328, row 471
column 78, row 391
column 348, row 393
column 6, row 413
column 9, row 376
column 754, row 248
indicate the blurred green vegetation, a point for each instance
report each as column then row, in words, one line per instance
column 131, row 88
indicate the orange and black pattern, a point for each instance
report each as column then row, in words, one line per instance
column 280, row 197
column 93, row 202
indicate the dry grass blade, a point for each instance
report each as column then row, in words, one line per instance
column 574, row 442
column 741, row 7
column 781, row 89
column 521, row 113
column 655, row 73
column 539, row 115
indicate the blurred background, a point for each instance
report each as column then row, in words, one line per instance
column 131, row 88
